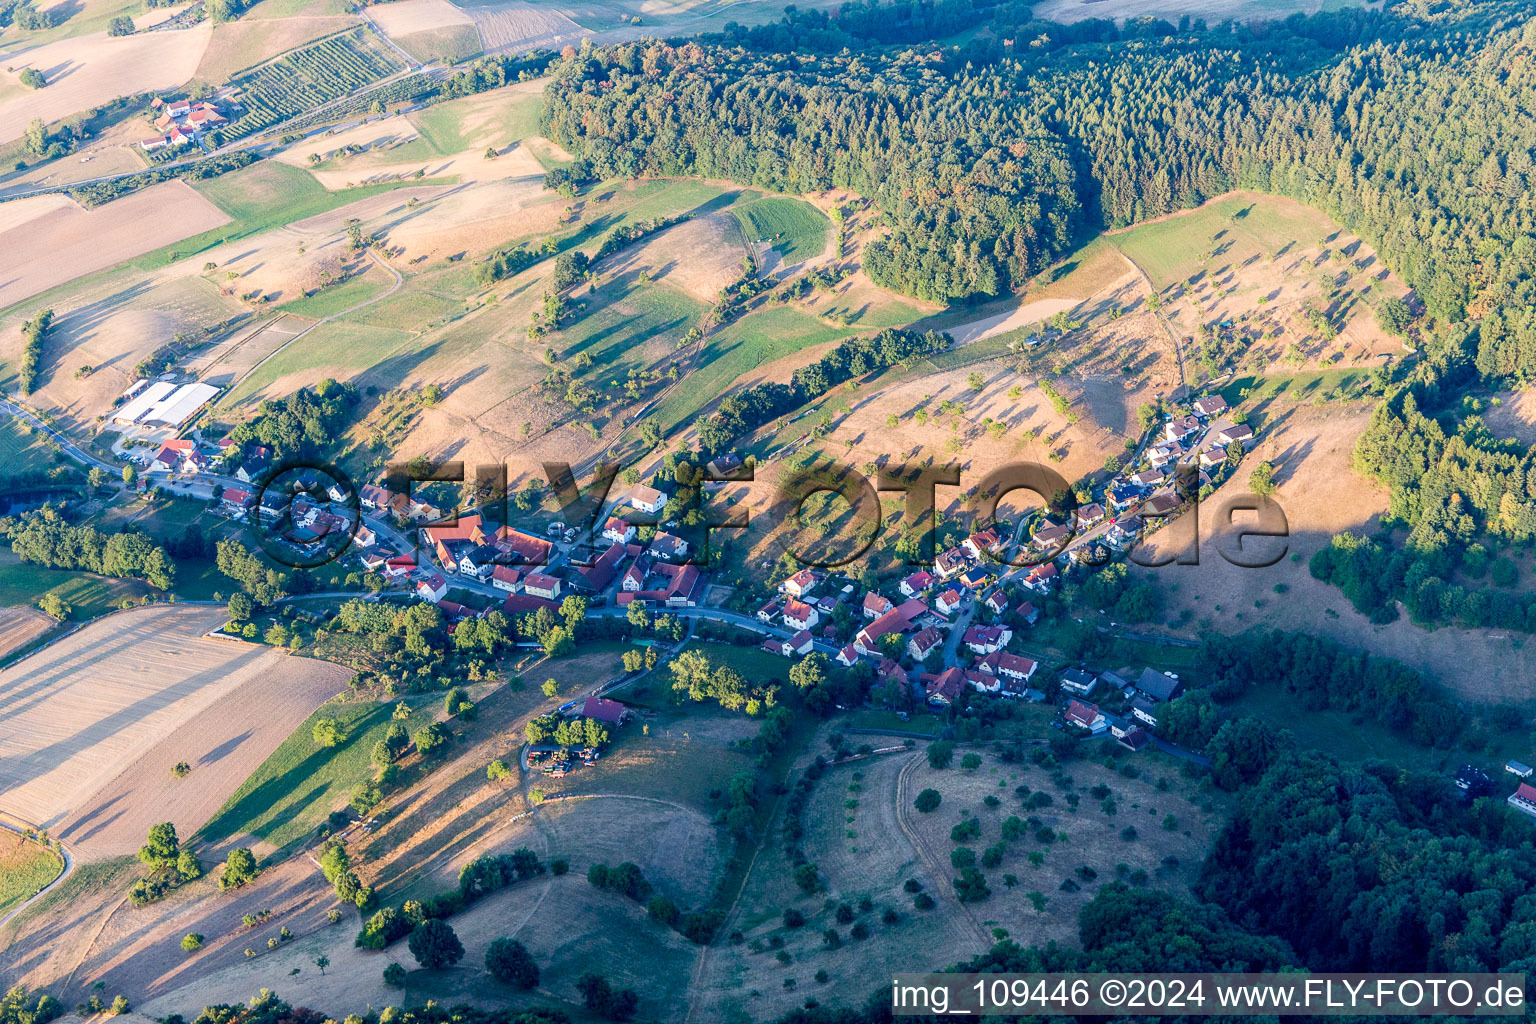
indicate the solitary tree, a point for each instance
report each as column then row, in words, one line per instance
column 239, row 868
column 434, row 945
column 327, row 733
column 322, row 961
column 509, row 962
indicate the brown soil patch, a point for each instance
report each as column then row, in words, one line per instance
column 20, row 626
column 88, row 71
column 65, row 242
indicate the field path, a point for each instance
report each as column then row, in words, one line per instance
column 937, row 866
column 399, row 280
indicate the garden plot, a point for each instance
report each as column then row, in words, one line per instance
column 75, row 715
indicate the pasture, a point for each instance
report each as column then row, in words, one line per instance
column 87, row 596
column 24, row 450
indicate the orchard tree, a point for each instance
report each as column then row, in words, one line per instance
column 434, row 945
column 509, row 962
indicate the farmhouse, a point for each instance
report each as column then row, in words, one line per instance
column 171, row 455
column 538, row 584
column 601, row 709
column 676, row 586
column 445, row 539
column 876, row 605
column 595, row 578
column 665, row 545
column 1145, row 710
column 897, row 620
column 519, row 548
column 943, row 689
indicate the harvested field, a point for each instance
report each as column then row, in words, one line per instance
column 129, row 682
column 224, row 743
column 1030, row 313
column 20, row 626
column 409, row 16
column 522, row 26
column 90, row 70
column 63, row 242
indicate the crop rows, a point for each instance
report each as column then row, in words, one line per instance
column 405, row 90
column 306, row 78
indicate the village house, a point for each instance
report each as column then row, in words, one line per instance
column 504, row 577
column 924, row 642
column 1164, row 454
column 1144, row 710
column 975, row 578
column 1523, row 799
column 1236, row 433
column 892, row 672
column 799, row 615
column 444, row 539
column 666, row 545
column 647, row 499
column 433, row 588
column 1050, row 537
column 1027, row 613
column 1149, row 478
column 1211, row 405
column 236, row 501
column 996, row 602
column 1078, row 682
column 608, row 712
column 541, row 585
column 951, row 562
column 983, row 543
column 1121, row 497
column 986, row 639
column 634, row 577
column 1181, row 427
column 519, row 548
column 1161, row 504
column 914, row 585
column 1212, row 457
column 399, row 566
column 847, row 657
column 800, row 584
column 618, row 530
column 171, row 455
column 1123, row 532
column 1090, row 515
column 1085, row 715
column 676, row 586
column 876, row 605
column 1008, row 666
column 801, row 643
column 1134, row 739
column 770, row 611
column 1040, row 578
column 947, row 603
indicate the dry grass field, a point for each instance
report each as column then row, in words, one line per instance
column 52, row 242
column 20, row 626
column 89, row 70
column 237, row 46
column 87, row 708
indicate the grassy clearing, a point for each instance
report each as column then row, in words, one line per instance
column 23, row 450
column 25, row 867
column 339, row 297
column 1227, row 231
column 296, row 787
column 446, row 45
column 740, row 348
column 339, row 348
column 86, row 595
column 471, row 122
column 1297, row 387
column 622, row 317
column 794, row 227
